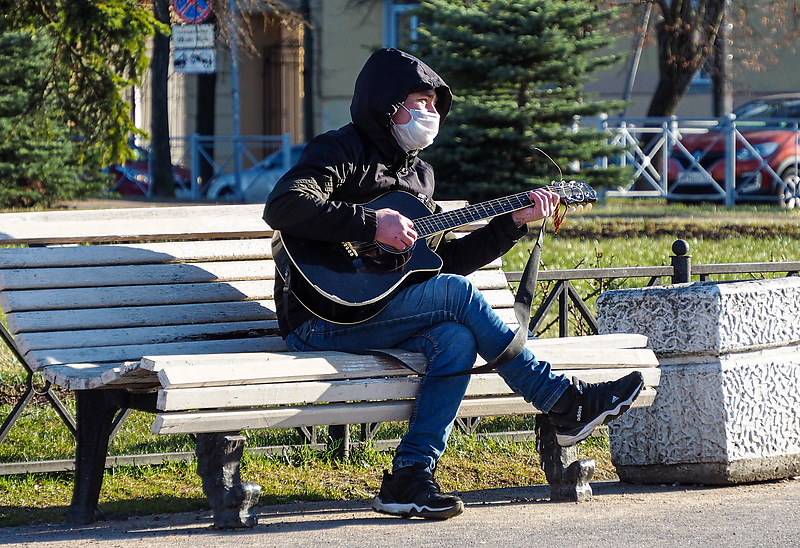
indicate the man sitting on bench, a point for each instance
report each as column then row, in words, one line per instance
column 398, row 105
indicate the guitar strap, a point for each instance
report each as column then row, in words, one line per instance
column 522, row 311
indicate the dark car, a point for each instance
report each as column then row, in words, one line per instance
column 767, row 155
column 133, row 177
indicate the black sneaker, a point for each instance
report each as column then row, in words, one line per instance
column 412, row 491
column 591, row 405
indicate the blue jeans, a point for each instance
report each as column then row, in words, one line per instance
column 448, row 320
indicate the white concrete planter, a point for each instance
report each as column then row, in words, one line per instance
column 728, row 406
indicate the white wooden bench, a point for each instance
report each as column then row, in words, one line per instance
column 170, row 311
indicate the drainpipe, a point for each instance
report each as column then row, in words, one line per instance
column 308, row 72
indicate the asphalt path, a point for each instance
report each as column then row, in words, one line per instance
column 619, row 515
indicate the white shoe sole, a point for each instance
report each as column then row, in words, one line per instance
column 414, row 510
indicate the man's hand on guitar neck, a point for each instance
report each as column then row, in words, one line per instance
column 544, row 205
column 394, row 229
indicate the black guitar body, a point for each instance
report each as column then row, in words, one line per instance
column 350, row 283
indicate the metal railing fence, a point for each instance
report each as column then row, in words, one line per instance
column 732, row 162
column 208, row 157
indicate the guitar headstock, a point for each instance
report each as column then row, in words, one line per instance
column 574, row 193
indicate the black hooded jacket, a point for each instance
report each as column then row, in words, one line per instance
column 319, row 197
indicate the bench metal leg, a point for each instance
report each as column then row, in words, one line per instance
column 468, row 425
column 231, row 499
column 95, row 410
column 568, row 477
column 30, row 392
column 339, row 440
column 368, row 430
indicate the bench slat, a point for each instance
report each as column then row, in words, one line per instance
column 348, row 413
column 257, row 395
column 65, row 320
column 489, row 279
column 142, row 253
column 83, row 376
column 203, row 311
column 137, row 295
column 195, row 371
column 106, row 276
column 174, row 223
column 499, row 299
column 58, row 356
column 608, row 341
column 206, row 367
column 96, row 338
column 508, row 316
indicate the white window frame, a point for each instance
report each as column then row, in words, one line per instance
column 391, row 15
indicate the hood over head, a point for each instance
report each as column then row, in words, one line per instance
column 387, row 78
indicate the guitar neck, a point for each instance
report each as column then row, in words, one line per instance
column 448, row 220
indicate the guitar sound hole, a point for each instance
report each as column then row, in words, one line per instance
column 385, row 259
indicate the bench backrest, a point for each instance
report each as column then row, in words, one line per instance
column 138, row 224
column 83, row 311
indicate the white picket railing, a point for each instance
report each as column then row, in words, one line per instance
column 648, row 145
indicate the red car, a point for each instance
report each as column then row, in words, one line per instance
column 767, row 156
column 133, row 177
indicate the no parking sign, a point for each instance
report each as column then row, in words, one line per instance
column 192, row 11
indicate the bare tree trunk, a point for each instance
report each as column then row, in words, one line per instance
column 723, row 92
column 686, row 34
column 678, row 62
column 160, row 161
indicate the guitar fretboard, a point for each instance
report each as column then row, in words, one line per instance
column 448, row 220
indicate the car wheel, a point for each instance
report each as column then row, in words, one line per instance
column 226, row 194
column 789, row 192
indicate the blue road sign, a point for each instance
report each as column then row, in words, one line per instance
column 192, row 11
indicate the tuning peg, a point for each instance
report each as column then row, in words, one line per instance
column 589, row 206
column 580, row 208
column 571, row 209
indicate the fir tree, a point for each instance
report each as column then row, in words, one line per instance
column 86, row 54
column 39, row 161
column 517, row 69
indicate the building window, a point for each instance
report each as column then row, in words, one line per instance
column 400, row 24
column 702, row 81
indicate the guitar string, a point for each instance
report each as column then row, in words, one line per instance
column 429, row 225
column 439, row 222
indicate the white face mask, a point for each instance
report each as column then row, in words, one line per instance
column 419, row 132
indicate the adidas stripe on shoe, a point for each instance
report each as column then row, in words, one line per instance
column 590, row 405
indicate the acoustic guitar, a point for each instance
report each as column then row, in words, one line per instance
column 350, row 282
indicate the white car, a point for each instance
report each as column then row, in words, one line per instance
column 255, row 183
